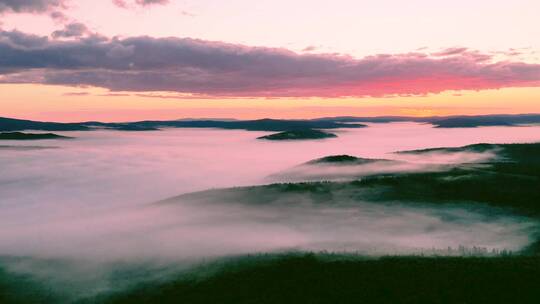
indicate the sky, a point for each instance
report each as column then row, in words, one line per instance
column 114, row 60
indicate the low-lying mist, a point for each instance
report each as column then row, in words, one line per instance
column 396, row 163
column 89, row 199
column 188, row 231
column 78, row 255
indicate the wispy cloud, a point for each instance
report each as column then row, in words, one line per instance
column 309, row 48
column 114, row 95
column 150, row 2
column 451, row 51
column 76, row 94
column 127, row 4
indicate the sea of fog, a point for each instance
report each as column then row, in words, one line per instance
column 111, row 169
column 89, row 198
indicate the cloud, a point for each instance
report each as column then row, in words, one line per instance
column 451, row 51
column 19, row 39
column 76, row 94
column 187, row 14
column 74, row 29
column 150, row 2
column 30, row 6
column 219, row 69
column 310, row 48
column 114, row 95
column 125, row 4
column 120, row 3
column 58, row 16
column 51, row 7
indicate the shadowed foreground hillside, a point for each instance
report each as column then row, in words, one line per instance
column 18, row 288
column 309, row 279
column 315, row 278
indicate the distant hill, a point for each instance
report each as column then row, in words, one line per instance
column 277, row 125
column 472, row 122
column 9, row 124
column 448, row 121
column 376, row 119
column 29, row 136
column 302, row 134
column 250, row 125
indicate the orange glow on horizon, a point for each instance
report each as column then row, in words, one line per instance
column 68, row 104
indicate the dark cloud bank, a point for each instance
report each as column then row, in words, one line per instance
column 215, row 69
column 42, row 6
column 29, row 6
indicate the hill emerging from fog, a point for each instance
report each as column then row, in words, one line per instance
column 343, row 159
column 29, row 136
column 509, row 181
column 300, row 134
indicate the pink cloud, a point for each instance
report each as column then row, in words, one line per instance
column 310, row 48
column 126, row 4
column 150, row 2
column 120, row 3
column 217, row 69
column 451, row 51
column 76, row 94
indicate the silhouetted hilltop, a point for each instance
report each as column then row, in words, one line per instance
column 250, row 125
column 9, row 124
column 300, row 134
column 376, row 119
column 277, row 125
column 343, row 159
column 460, row 121
column 484, row 121
column 29, row 136
column 482, row 147
column 472, row 122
